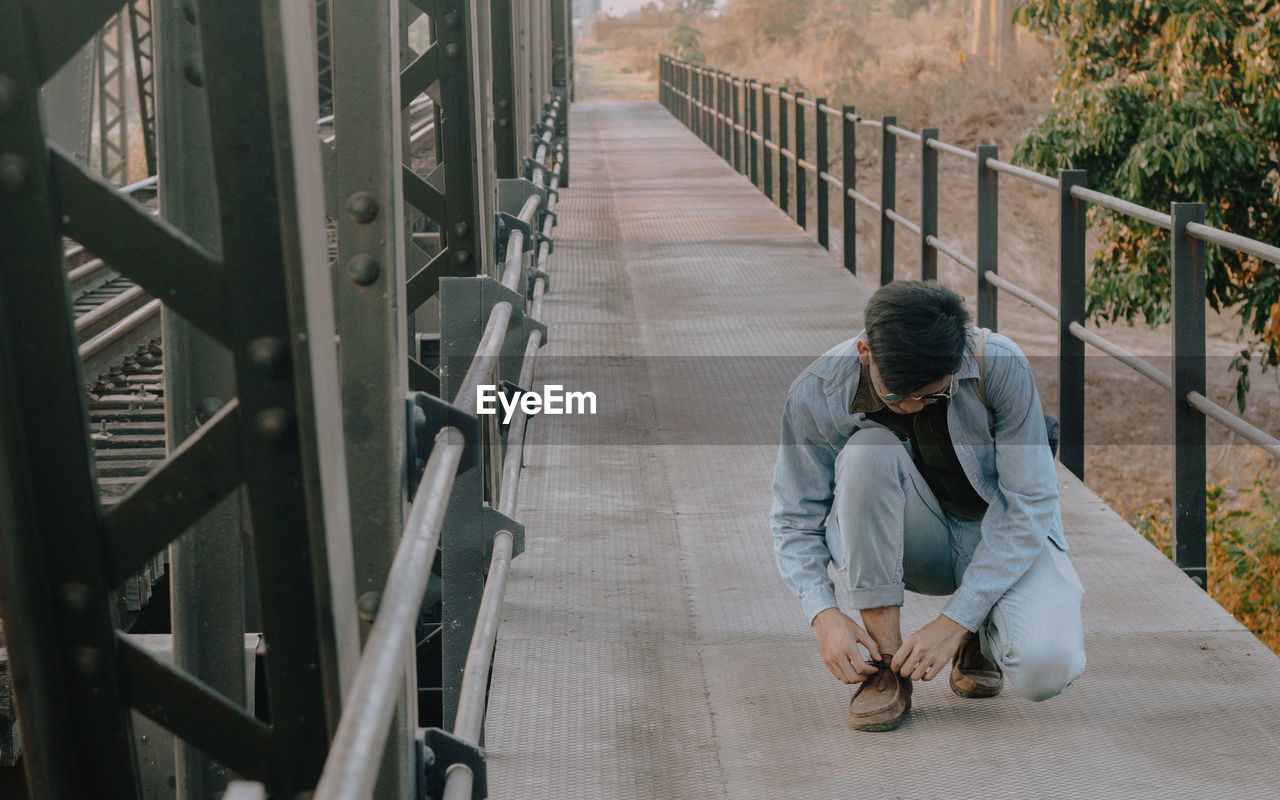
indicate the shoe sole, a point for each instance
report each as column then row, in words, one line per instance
column 975, row 692
column 885, row 725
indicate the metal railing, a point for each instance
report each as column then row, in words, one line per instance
column 702, row 97
column 352, row 766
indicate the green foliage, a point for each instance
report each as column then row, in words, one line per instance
column 1163, row 100
column 1244, row 554
column 685, row 43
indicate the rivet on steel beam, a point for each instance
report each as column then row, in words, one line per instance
column 451, row 19
column 367, row 606
column 504, row 123
column 272, row 424
column 13, row 171
column 189, row 11
column 8, row 94
column 504, row 104
column 362, row 207
column 88, row 661
column 363, row 269
column 206, row 408
column 453, row 50
column 191, row 71
column 266, row 353
column 461, row 228
column 462, row 257
column 74, row 596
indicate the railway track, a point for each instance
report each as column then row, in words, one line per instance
column 118, row 328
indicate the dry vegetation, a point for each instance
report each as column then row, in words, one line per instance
column 917, row 66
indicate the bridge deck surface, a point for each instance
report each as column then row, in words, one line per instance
column 648, row 648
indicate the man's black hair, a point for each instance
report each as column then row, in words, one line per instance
column 916, row 331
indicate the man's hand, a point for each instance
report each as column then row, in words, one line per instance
column 838, row 638
column 924, row 653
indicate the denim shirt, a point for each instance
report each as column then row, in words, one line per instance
column 1002, row 450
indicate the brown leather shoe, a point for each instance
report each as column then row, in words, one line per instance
column 882, row 700
column 972, row 673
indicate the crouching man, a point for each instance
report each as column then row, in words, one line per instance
column 917, row 463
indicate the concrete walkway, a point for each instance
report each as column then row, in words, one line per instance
column 648, row 648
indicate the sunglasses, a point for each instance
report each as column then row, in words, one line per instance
column 945, row 394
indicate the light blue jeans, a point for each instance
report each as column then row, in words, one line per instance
column 896, row 536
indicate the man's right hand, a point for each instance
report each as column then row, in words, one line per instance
column 839, row 637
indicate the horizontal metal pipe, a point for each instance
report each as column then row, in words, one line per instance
column 1117, row 352
column 786, row 95
column 952, row 253
column 352, row 765
column 1235, row 241
column 112, row 334
column 862, row 198
column 145, row 183
column 475, row 674
column 1025, row 174
column 870, row 123
column 459, row 782
column 421, row 132
column 1234, row 424
column 739, row 128
column 853, row 117
column 770, row 90
column 772, row 146
column 943, row 147
column 904, row 133
column 809, row 165
column 515, row 260
column 95, row 315
column 806, row 102
column 1030, row 299
column 510, row 486
column 829, row 111
column 85, row 269
column 831, row 179
column 903, row 221
column 790, row 156
column 495, row 333
column 756, row 136
column 1124, row 207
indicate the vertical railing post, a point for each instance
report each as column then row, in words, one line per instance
column 784, row 133
column 726, row 119
column 736, row 104
column 1187, row 272
column 717, row 129
column 849, row 206
column 928, row 205
column 820, row 186
column 731, row 121
column 802, row 175
column 753, row 158
column 1072, row 228
column 663, row 80
column 988, row 237
column 765, row 152
column 888, row 188
column 723, row 116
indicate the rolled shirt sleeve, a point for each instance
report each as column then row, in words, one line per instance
column 802, row 496
column 1024, row 508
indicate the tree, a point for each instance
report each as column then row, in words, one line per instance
column 1164, row 100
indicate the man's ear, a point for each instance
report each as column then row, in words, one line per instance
column 864, row 351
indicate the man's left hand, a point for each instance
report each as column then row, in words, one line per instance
column 924, row 653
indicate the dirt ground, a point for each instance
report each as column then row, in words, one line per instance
column 1128, row 419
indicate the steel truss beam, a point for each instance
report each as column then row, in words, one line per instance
column 267, row 298
column 142, row 31
column 113, row 119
